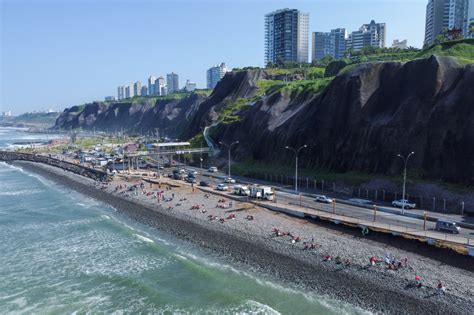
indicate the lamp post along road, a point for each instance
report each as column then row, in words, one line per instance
column 405, row 160
column 229, row 147
column 296, row 151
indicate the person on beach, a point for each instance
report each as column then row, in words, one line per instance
column 441, row 290
column 418, row 281
column 373, row 260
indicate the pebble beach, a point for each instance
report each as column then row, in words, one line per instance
column 316, row 256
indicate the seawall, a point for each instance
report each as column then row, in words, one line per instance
column 8, row 156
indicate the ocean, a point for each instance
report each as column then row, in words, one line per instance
column 63, row 253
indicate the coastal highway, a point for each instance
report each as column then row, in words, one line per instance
column 284, row 197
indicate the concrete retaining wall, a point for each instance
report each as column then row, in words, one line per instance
column 74, row 168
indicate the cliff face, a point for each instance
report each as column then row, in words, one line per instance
column 171, row 117
column 360, row 122
column 367, row 116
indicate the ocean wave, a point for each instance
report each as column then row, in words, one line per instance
column 24, row 192
column 143, row 238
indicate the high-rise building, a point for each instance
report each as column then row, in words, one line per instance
column 164, row 90
column 400, row 44
column 215, row 74
column 372, row 34
column 120, row 93
column 190, row 86
column 137, row 88
column 109, row 98
column 320, row 45
column 128, row 91
column 286, row 36
column 7, row 113
column 144, row 91
column 159, row 84
column 447, row 14
column 469, row 19
column 151, row 85
column 331, row 43
column 172, row 81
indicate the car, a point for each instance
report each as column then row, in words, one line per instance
column 403, row 203
column 323, row 198
column 229, row 180
column 204, row 183
column 190, row 174
column 449, row 226
column 191, row 180
column 177, row 176
column 222, row 187
column 193, row 172
column 212, row 169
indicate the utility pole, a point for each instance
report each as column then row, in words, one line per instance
column 296, row 151
column 229, row 147
column 405, row 160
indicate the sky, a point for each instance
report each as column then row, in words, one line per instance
column 56, row 54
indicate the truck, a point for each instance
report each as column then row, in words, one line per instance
column 261, row 192
column 240, row 190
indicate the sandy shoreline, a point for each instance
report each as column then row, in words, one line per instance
column 252, row 244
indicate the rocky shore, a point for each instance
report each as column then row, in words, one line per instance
column 251, row 244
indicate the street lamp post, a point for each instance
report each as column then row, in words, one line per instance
column 296, row 151
column 405, row 160
column 229, row 147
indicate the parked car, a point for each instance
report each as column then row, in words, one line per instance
column 194, row 172
column 204, row 183
column 212, row 169
column 323, row 198
column 222, row 187
column 177, row 176
column 449, row 226
column 229, row 180
column 403, row 203
column 190, row 174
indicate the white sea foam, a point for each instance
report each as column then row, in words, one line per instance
column 24, row 192
column 143, row 238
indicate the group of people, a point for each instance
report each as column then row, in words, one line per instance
column 440, row 288
column 221, row 203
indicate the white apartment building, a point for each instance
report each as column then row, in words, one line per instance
column 215, row 74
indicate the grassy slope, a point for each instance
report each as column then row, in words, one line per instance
column 463, row 50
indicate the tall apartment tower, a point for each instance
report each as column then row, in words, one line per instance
column 128, row 91
column 447, row 14
column 469, row 19
column 286, row 36
column 144, row 91
column 372, row 34
column 159, row 84
column 121, row 92
column 331, row 43
column 137, row 88
column 215, row 74
column 172, row 81
column 151, row 85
